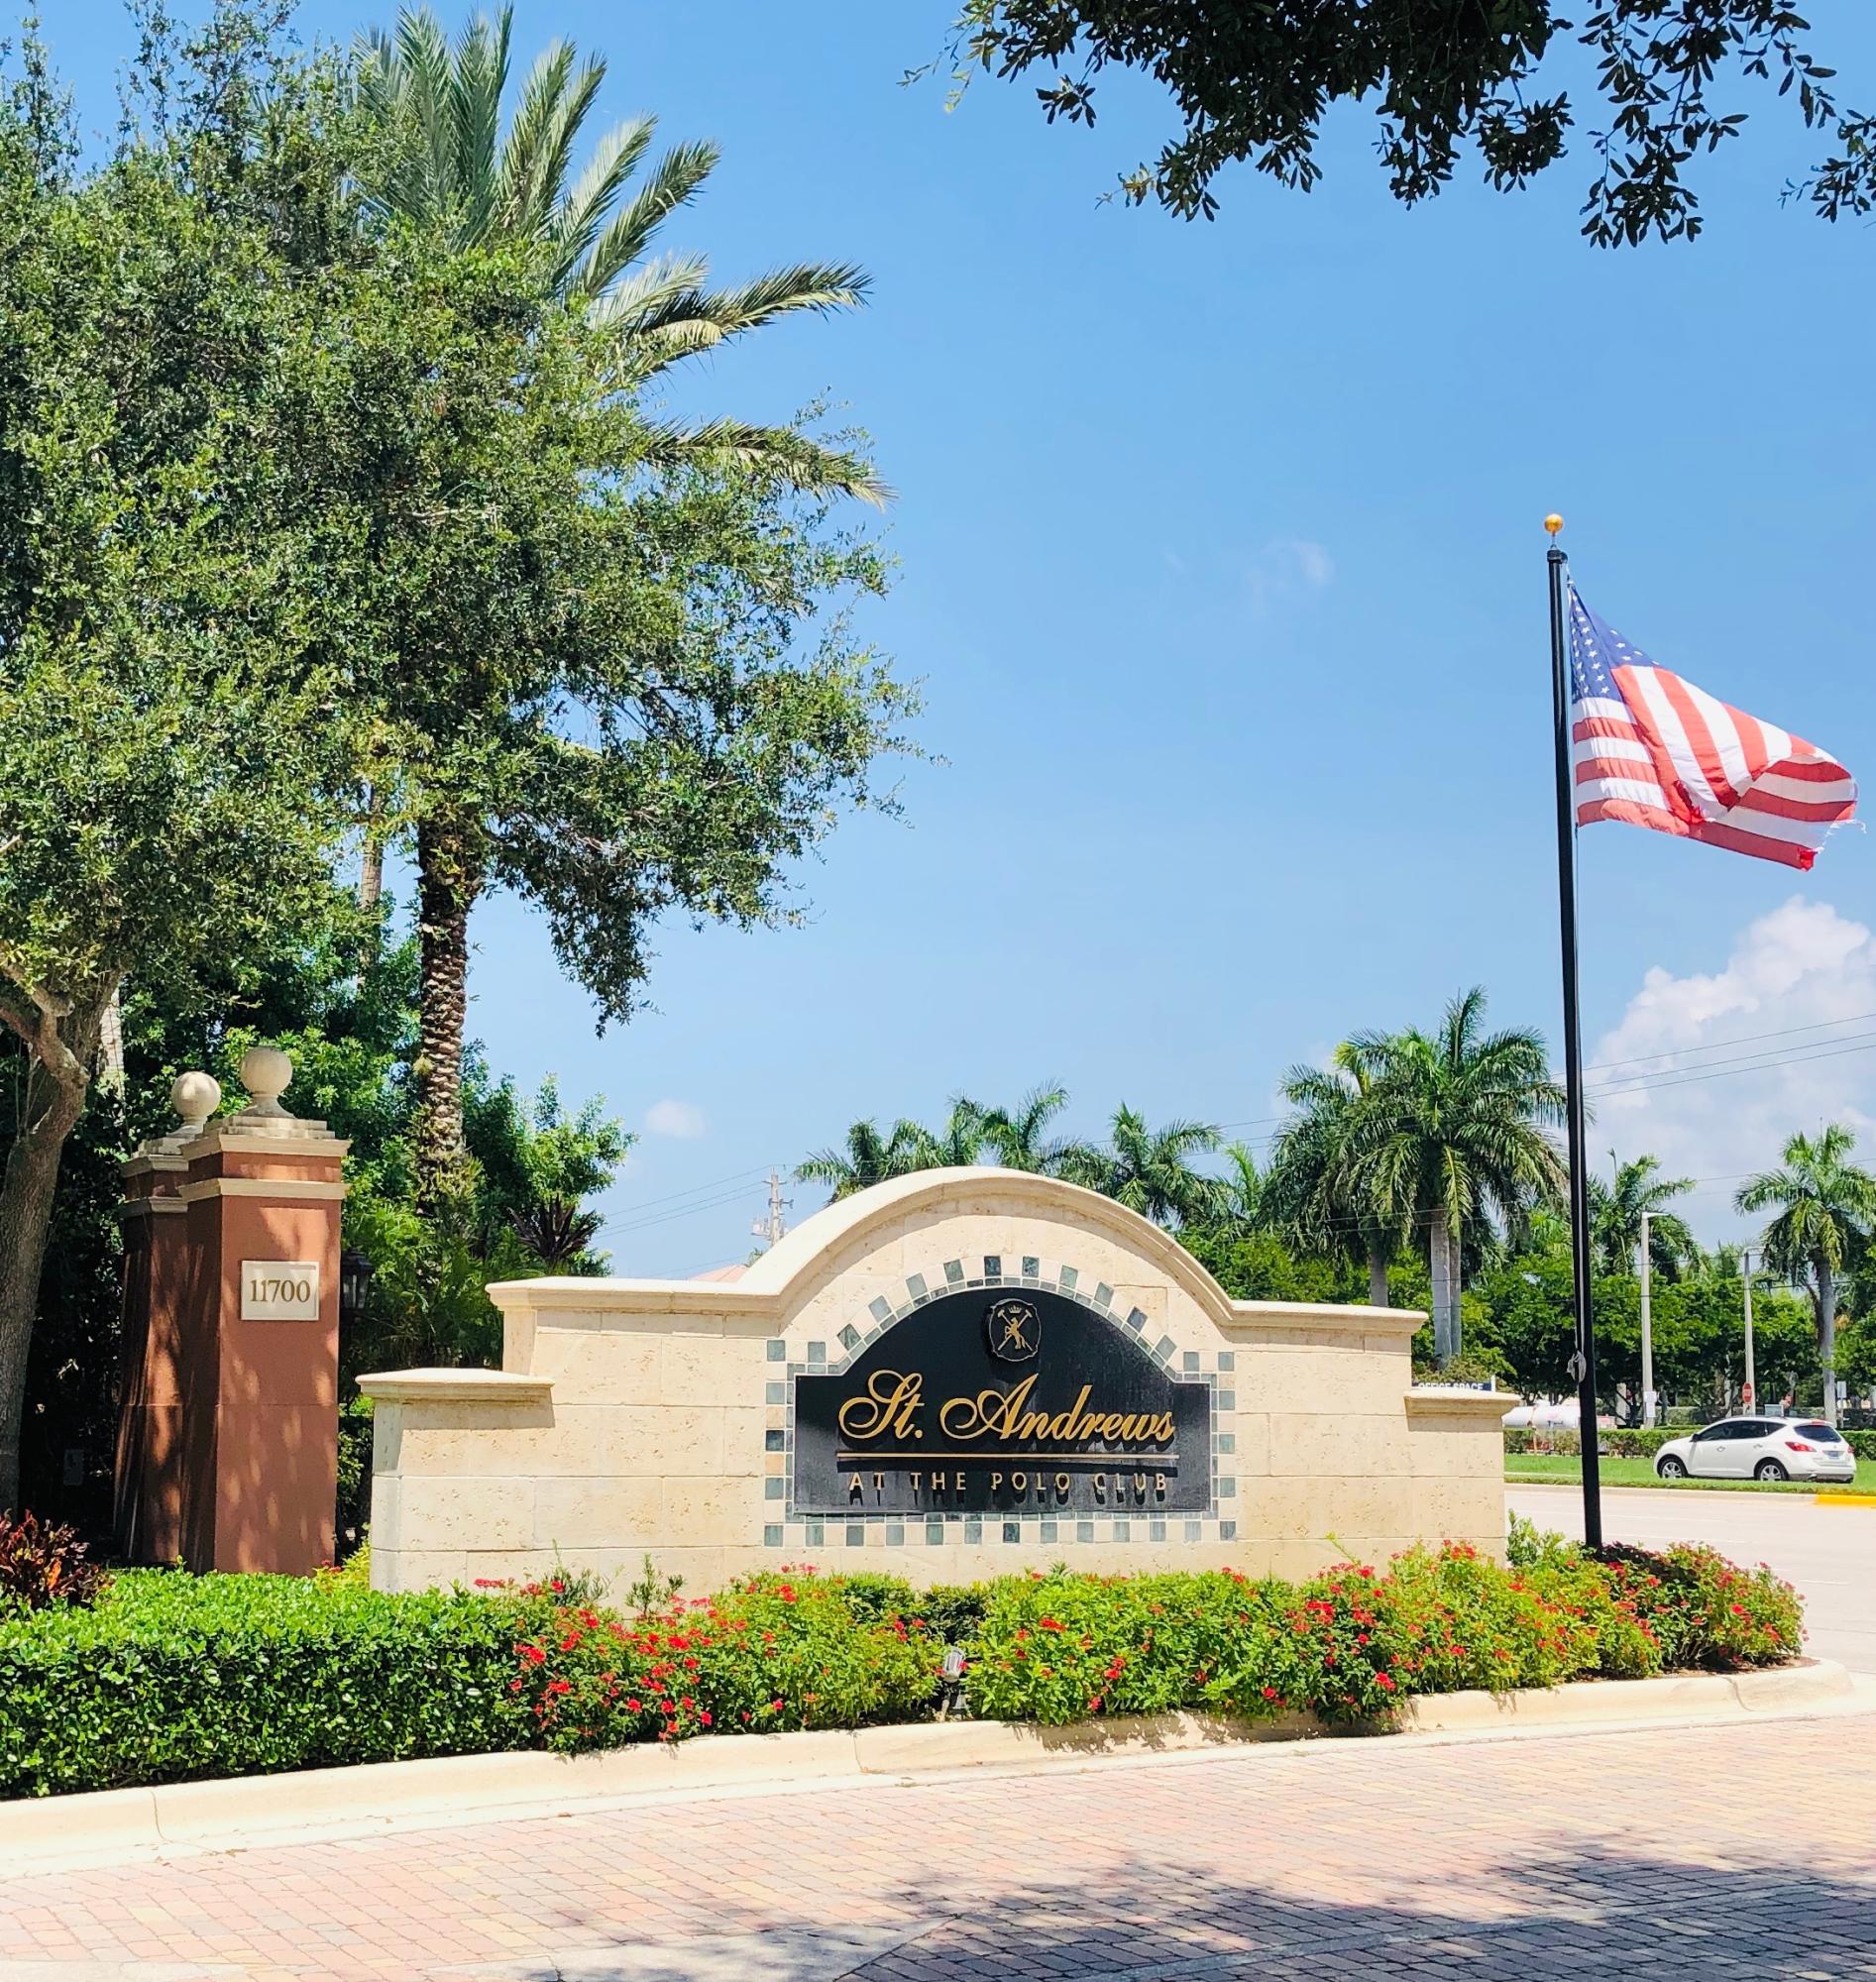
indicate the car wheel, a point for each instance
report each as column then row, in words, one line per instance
column 1671, row 1468
column 1768, row 1470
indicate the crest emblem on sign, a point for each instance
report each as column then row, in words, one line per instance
column 1014, row 1330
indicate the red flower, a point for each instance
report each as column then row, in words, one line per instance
column 533, row 1654
column 1047, row 1624
column 634, row 1704
column 705, row 1718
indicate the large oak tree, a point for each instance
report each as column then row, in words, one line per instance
column 1252, row 81
column 171, row 730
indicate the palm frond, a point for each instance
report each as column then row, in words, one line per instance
column 478, row 76
column 522, row 165
column 547, row 183
column 674, row 183
column 575, row 225
column 702, row 319
column 782, row 453
column 645, row 292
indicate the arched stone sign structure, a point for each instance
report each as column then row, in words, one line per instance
column 949, row 1375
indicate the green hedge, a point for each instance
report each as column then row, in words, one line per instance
column 1637, row 1442
column 173, row 1677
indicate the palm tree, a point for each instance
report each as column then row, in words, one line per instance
column 442, row 165
column 868, row 1158
column 1316, row 1194
column 1450, row 1135
column 1015, row 1136
column 1243, row 1186
column 1827, row 1208
column 1617, row 1208
column 959, row 1142
column 1150, row 1170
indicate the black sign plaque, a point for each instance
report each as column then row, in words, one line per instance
column 1002, row 1401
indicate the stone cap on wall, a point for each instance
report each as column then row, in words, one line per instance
column 482, row 1386
column 264, row 1128
column 1454, row 1400
column 768, row 1288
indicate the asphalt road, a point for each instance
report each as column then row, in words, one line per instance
column 1828, row 1553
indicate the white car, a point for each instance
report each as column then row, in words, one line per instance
column 1758, row 1449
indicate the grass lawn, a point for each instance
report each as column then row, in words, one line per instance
column 1529, row 1467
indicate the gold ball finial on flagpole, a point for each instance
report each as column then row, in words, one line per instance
column 1553, row 524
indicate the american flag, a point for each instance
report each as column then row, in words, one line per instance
column 1651, row 749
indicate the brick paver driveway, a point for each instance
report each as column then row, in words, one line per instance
column 1720, row 1853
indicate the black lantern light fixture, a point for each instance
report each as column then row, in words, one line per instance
column 354, row 1283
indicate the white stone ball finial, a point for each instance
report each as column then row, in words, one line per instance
column 195, row 1097
column 266, row 1073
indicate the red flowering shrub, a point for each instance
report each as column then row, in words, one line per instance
column 1458, row 1619
column 1355, row 1642
column 1326, row 1656
column 778, row 1651
column 1060, row 1648
column 1704, row 1610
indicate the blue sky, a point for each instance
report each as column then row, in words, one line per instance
column 1221, row 563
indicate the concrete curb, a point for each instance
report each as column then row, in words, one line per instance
column 353, row 1802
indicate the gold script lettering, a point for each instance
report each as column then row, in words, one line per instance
column 887, row 1408
column 1007, row 1417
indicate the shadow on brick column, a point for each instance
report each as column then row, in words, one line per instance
column 228, row 1442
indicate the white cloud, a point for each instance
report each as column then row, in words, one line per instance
column 682, row 1120
column 1738, row 1060
column 1286, row 568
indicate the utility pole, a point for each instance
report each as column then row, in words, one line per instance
column 1647, row 1333
column 1751, row 1395
column 771, row 1228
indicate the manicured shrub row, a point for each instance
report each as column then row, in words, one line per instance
column 1352, row 1643
column 172, row 1677
column 1636, row 1440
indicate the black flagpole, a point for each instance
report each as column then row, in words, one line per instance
column 1582, row 1362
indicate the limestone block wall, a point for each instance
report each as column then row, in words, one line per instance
column 647, row 1418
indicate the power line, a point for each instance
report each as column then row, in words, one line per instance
column 1744, row 1038
column 619, row 1226
column 695, row 1191
column 714, row 1196
column 1723, row 1072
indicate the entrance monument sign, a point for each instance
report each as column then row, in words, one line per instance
column 949, row 1375
column 995, row 1401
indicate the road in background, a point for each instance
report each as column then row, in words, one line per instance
column 1828, row 1553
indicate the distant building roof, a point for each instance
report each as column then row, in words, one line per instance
column 733, row 1272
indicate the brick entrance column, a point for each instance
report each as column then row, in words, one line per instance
column 227, row 1445
column 156, row 1415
